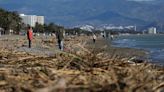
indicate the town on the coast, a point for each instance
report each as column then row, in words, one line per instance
column 38, row 23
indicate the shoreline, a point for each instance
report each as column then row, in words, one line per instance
column 155, row 54
column 120, row 51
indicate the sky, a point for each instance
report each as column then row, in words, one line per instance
column 141, row 0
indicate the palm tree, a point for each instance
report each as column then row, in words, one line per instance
column 10, row 20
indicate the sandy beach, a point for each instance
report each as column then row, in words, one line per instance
column 83, row 66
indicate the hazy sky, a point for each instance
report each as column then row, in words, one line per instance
column 141, row 0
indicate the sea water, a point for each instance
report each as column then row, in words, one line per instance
column 153, row 43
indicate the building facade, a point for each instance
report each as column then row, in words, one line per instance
column 40, row 19
column 32, row 19
column 152, row 30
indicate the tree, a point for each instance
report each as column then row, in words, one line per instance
column 39, row 28
column 50, row 27
column 10, row 20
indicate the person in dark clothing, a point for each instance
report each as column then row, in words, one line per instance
column 60, row 38
column 29, row 36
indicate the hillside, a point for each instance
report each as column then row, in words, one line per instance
column 74, row 12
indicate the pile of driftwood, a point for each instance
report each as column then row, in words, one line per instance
column 80, row 70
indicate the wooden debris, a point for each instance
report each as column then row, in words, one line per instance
column 75, row 72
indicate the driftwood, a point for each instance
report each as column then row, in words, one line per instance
column 91, row 71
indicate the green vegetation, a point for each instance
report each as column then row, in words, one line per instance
column 10, row 20
column 52, row 28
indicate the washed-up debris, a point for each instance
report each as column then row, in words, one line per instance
column 78, row 70
column 136, row 60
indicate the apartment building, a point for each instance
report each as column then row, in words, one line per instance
column 32, row 19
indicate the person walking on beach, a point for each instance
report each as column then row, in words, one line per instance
column 29, row 36
column 111, row 37
column 60, row 38
column 94, row 38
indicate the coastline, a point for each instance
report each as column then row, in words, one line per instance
column 150, row 43
column 82, row 67
column 121, row 52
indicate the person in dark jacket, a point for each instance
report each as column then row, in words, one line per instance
column 29, row 36
column 60, row 38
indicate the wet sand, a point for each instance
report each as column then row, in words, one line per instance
column 105, row 45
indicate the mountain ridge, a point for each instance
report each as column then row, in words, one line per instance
column 74, row 12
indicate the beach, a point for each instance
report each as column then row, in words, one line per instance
column 83, row 66
column 120, row 52
column 151, row 43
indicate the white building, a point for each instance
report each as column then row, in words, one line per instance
column 32, row 19
column 40, row 19
column 152, row 30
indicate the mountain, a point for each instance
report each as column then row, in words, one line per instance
column 75, row 12
column 115, row 19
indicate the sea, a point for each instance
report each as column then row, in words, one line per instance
column 153, row 43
